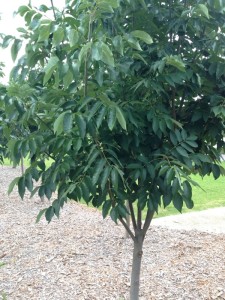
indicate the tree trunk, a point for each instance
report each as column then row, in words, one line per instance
column 136, row 266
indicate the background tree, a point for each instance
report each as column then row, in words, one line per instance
column 127, row 100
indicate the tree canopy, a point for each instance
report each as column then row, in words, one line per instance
column 126, row 99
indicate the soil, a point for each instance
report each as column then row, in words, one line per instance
column 83, row 257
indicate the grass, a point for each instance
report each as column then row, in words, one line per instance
column 212, row 195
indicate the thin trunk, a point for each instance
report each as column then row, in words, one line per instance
column 136, row 267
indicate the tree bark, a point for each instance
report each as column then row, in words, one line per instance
column 136, row 266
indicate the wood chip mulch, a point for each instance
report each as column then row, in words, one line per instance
column 83, row 257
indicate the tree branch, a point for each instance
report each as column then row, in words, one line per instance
column 127, row 228
column 139, row 216
column 86, row 62
column 148, row 220
column 134, row 223
column 53, row 8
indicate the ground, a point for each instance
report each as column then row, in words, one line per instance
column 80, row 256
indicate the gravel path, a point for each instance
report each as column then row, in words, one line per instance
column 82, row 257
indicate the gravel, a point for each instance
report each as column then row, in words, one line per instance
column 82, row 257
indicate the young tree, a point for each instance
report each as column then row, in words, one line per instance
column 127, row 100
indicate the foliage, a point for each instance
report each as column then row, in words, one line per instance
column 126, row 97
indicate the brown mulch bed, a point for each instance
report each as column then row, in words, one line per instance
column 80, row 256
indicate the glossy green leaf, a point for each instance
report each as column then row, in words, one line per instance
column 21, row 187
column 120, row 117
column 178, row 202
column 98, row 170
column 182, row 151
column 106, row 207
column 202, row 10
column 118, row 44
column 59, row 123
column 81, row 123
column 111, row 118
column 142, row 35
column 67, row 122
column 40, row 214
column 84, row 51
column 106, row 55
column 44, row 32
column 16, row 46
column 115, row 178
column 73, row 37
column 105, row 177
column 58, row 36
column 12, row 185
column 49, row 213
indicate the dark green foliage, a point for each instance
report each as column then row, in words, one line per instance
column 125, row 97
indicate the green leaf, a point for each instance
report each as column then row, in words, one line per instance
column 111, row 118
column 73, row 37
column 67, row 79
column 6, row 41
column 101, row 116
column 216, row 171
column 21, row 187
column 58, row 36
column 114, row 178
column 105, row 177
column 106, row 55
column 163, row 170
column 49, row 213
column 120, row 118
column 202, row 10
column 178, row 202
column 59, row 123
column 182, row 151
column 175, row 61
column 113, row 3
column 167, row 198
column 85, row 192
column 12, row 185
column 175, row 186
column 81, row 125
column 15, row 48
column 106, row 207
column 67, row 122
column 169, row 175
column 84, row 51
column 29, row 182
column 98, row 170
column 23, row 9
column 50, row 67
column 139, row 57
column 118, row 44
column 44, row 32
column 187, row 190
column 142, row 35
column 40, row 214
column 94, row 110
column 133, row 43
column 114, row 214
